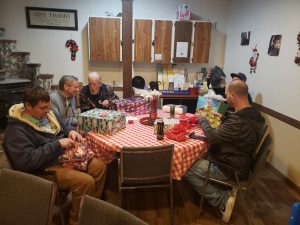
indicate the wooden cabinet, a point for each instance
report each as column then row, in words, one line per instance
column 202, row 38
column 182, row 41
column 142, row 40
column 162, row 41
column 104, row 39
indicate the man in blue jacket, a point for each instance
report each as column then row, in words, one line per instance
column 34, row 139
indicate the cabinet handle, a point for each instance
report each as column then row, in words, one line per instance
column 133, row 41
column 153, row 42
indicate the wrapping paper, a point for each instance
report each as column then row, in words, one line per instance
column 133, row 106
column 77, row 157
column 101, row 121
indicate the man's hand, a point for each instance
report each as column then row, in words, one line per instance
column 75, row 136
column 66, row 143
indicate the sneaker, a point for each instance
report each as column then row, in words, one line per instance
column 226, row 214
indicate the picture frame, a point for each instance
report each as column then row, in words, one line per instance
column 51, row 18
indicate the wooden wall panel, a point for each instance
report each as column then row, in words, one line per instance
column 104, row 39
column 183, row 33
column 142, row 40
column 202, row 38
column 162, row 41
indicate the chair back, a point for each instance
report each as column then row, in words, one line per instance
column 260, row 158
column 262, row 137
column 146, row 164
column 97, row 212
column 25, row 199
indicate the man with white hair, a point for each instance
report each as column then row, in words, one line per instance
column 96, row 94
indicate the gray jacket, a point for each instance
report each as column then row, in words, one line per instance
column 59, row 106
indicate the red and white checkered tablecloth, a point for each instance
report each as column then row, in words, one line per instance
column 139, row 135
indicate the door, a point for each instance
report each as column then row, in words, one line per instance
column 162, row 41
column 202, row 39
column 104, row 39
column 182, row 41
column 142, row 40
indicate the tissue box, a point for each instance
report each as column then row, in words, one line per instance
column 183, row 12
column 133, row 106
column 101, row 121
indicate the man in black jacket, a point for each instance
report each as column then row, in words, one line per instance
column 34, row 139
column 232, row 143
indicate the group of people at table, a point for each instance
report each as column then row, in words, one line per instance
column 40, row 128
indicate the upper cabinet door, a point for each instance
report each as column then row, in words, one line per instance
column 162, row 41
column 202, row 38
column 182, row 41
column 104, row 39
column 142, row 40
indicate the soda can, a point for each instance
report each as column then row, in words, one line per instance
column 160, row 129
column 172, row 111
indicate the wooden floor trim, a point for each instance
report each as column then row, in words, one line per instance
column 283, row 177
column 286, row 119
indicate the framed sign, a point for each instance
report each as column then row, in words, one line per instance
column 49, row 18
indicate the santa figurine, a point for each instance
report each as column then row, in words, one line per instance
column 253, row 60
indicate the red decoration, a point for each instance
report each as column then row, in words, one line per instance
column 253, row 60
column 73, row 48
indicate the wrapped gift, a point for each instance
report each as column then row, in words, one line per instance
column 133, row 106
column 101, row 121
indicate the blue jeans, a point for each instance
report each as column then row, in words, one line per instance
column 216, row 195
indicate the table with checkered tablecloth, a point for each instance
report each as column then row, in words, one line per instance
column 139, row 135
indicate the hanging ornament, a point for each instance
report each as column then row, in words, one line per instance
column 297, row 57
column 253, row 60
column 73, row 48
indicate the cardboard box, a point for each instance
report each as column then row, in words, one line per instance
column 101, row 121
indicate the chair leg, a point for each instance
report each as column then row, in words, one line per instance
column 171, row 205
column 201, row 211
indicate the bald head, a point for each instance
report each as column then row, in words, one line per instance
column 94, row 76
column 237, row 94
column 238, row 87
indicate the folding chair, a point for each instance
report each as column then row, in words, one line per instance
column 261, row 154
column 25, row 199
column 146, row 167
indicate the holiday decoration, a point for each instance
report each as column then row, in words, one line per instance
column 253, row 60
column 274, row 45
column 297, row 57
column 73, row 48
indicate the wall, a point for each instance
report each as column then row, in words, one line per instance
column 48, row 46
column 276, row 83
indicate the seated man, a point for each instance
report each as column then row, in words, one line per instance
column 232, row 143
column 63, row 100
column 96, row 94
column 34, row 139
